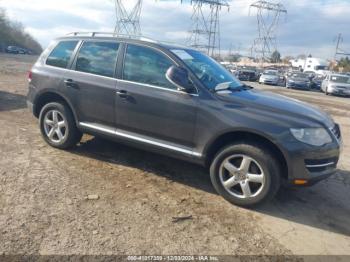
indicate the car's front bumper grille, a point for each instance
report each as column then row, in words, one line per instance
column 321, row 165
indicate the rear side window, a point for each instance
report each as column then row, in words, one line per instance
column 62, row 54
column 98, row 58
column 147, row 66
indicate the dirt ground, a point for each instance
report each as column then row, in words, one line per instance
column 44, row 210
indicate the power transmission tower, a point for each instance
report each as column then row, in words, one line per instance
column 268, row 17
column 205, row 29
column 338, row 50
column 128, row 21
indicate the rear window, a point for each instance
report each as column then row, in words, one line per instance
column 61, row 54
column 98, row 58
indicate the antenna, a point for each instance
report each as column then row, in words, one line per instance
column 128, row 21
column 205, row 28
column 268, row 16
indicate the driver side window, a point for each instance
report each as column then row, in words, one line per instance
column 147, row 66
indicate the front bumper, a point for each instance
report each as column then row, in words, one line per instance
column 297, row 85
column 269, row 81
column 311, row 164
column 339, row 91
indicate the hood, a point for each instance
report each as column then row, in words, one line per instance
column 298, row 112
column 300, row 79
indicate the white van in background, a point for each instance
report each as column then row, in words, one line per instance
column 317, row 65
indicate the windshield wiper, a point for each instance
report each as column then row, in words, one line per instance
column 227, row 86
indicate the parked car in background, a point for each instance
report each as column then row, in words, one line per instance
column 336, row 84
column 316, row 82
column 247, row 75
column 22, row 51
column 17, row 50
column 298, row 80
column 311, row 74
column 12, row 50
column 270, row 77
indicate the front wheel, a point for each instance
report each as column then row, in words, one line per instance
column 58, row 127
column 245, row 174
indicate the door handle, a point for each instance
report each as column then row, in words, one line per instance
column 122, row 93
column 71, row 83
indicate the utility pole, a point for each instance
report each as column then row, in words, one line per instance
column 338, row 49
column 268, row 17
column 339, row 40
column 127, row 21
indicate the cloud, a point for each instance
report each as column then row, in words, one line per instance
column 310, row 26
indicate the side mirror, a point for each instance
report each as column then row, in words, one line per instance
column 178, row 76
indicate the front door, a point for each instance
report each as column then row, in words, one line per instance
column 147, row 104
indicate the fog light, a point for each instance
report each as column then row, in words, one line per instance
column 300, row 182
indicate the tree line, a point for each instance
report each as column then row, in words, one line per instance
column 13, row 33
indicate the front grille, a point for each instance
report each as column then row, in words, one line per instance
column 336, row 131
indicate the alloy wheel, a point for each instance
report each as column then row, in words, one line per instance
column 242, row 176
column 55, row 126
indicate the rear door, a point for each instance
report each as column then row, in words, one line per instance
column 148, row 105
column 49, row 71
column 91, row 83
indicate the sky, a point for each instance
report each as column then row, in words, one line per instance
column 310, row 27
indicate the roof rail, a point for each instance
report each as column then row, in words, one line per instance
column 109, row 34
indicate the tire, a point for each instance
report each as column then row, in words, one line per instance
column 54, row 116
column 259, row 157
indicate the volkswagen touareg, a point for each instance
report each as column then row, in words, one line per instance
column 179, row 102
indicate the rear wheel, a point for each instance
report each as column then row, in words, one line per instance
column 58, row 127
column 245, row 174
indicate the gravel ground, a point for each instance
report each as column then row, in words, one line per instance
column 44, row 207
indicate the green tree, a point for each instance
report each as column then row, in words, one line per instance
column 276, row 57
column 343, row 65
column 13, row 33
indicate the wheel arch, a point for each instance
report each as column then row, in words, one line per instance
column 48, row 97
column 246, row 135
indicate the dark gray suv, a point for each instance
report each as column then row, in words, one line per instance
column 179, row 102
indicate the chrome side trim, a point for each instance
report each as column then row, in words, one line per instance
column 140, row 139
column 321, row 165
column 99, row 128
column 156, row 87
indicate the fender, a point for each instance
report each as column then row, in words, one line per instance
column 47, row 91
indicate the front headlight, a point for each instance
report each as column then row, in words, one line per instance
column 312, row 136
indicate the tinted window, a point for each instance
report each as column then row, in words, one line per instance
column 208, row 71
column 98, row 58
column 62, row 53
column 145, row 65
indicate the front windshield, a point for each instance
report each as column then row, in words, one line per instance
column 321, row 67
column 209, row 72
column 340, row 79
